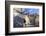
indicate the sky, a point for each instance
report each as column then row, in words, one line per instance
column 31, row 10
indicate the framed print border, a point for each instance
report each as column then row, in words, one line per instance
column 7, row 13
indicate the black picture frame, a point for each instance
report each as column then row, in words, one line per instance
column 7, row 3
